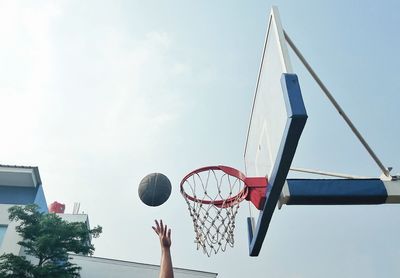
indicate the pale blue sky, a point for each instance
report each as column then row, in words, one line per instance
column 100, row 93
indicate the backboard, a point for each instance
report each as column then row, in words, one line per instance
column 277, row 120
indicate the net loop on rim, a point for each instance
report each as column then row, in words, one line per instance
column 213, row 195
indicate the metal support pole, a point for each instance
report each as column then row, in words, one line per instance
column 325, row 173
column 337, row 106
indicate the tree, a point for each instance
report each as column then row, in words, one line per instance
column 50, row 240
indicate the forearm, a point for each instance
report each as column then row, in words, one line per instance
column 166, row 270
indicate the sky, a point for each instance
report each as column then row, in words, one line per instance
column 98, row 94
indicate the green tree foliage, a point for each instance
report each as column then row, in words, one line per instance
column 49, row 239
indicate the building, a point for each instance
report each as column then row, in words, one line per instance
column 94, row 267
column 20, row 185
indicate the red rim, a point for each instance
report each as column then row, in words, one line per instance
column 219, row 203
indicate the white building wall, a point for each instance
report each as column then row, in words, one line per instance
column 93, row 267
column 10, row 240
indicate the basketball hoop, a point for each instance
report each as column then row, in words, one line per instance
column 213, row 195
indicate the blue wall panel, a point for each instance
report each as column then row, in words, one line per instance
column 17, row 195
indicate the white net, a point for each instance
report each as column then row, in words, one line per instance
column 213, row 198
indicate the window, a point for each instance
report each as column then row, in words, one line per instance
column 3, row 229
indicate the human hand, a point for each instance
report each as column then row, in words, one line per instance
column 163, row 233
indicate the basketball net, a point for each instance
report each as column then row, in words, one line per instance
column 213, row 195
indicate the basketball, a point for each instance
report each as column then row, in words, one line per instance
column 154, row 189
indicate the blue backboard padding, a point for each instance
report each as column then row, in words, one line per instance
column 250, row 227
column 292, row 95
column 295, row 123
column 336, row 192
column 17, row 195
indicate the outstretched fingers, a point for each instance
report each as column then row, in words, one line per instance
column 165, row 230
column 161, row 227
column 157, row 228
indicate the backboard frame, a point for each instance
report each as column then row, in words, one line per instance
column 295, row 122
column 297, row 117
